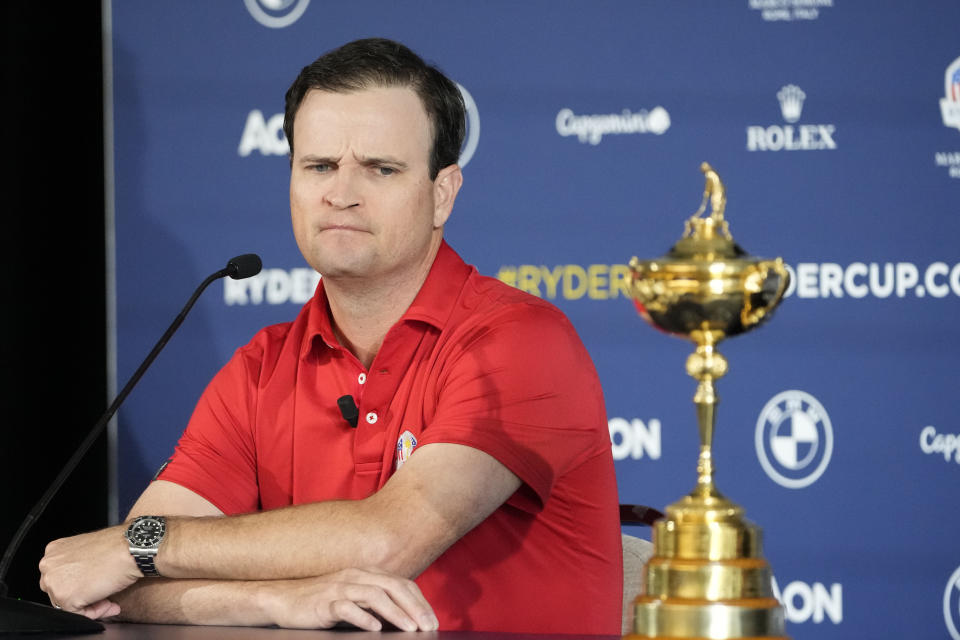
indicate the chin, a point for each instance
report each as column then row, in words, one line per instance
column 341, row 269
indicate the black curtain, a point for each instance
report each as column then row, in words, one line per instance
column 53, row 334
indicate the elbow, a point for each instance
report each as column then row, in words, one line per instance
column 404, row 552
column 389, row 550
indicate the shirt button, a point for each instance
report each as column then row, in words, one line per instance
column 362, row 378
column 372, row 418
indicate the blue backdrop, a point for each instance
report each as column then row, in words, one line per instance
column 835, row 125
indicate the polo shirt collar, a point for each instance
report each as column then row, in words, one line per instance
column 438, row 295
column 433, row 305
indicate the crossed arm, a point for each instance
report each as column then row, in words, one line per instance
column 304, row 566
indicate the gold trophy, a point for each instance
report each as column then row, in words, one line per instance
column 707, row 577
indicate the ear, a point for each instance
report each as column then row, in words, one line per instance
column 445, row 189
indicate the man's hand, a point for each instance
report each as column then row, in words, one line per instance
column 355, row 596
column 84, row 570
column 364, row 598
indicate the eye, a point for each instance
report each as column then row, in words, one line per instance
column 385, row 171
column 319, row 167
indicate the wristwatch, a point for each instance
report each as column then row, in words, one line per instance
column 145, row 534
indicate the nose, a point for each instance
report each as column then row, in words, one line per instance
column 342, row 190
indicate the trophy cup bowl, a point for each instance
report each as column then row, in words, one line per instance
column 707, row 577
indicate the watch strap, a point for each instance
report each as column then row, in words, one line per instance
column 145, row 563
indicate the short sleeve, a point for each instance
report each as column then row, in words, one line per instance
column 216, row 456
column 521, row 387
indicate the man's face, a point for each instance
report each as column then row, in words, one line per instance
column 361, row 198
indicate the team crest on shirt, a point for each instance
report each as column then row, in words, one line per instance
column 405, row 446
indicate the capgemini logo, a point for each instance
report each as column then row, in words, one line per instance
column 791, row 99
column 276, row 14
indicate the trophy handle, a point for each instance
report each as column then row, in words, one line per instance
column 753, row 280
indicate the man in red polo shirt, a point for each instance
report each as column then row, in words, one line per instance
column 474, row 490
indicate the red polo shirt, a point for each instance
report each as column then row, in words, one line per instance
column 473, row 362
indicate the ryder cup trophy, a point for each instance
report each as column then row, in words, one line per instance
column 707, row 577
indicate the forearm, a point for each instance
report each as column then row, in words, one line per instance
column 200, row 602
column 294, row 542
column 440, row 494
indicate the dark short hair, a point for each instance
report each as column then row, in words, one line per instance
column 378, row 62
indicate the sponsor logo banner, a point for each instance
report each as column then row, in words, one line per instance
column 271, row 287
column 945, row 444
column 635, row 439
column 951, row 605
column 950, row 103
column 592, row 128
column 791, row 137
column 569, row 281
column 950, row 112
column 950, row 160
column 804, row 602
column 807, row 280
column 264, row 136
column 876, row 280
column 789, row 10
column 276, row 14
column 472, row 139
column 794, row 439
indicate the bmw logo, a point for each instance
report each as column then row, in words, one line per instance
column 276, row 14
column 473, row 127
column 794, row 439
column 951, row 605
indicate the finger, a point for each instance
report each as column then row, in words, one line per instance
column 380, row 602
column 408, row 597
column 53, row 601
column 111, row 609
column 347, row 611
column 404, row 592
column 101, row 609
column 392, row 583
column 418, row 596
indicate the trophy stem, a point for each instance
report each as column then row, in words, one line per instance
column 706, row 401
column 705, row 365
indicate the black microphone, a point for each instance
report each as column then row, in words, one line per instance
column 21, row 616
column 244, row 266
column 349, row 409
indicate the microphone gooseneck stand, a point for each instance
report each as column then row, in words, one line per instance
column 22, row 616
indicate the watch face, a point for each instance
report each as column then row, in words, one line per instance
column 146, row 532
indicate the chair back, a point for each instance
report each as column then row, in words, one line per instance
column 636, row 553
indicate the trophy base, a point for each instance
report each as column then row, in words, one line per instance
column 680, row 618
column 707, row 577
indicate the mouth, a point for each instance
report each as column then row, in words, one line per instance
column 343, row 227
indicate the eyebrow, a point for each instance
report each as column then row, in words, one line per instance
column 371, row 161
column 312, row 159
column 374, row 161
